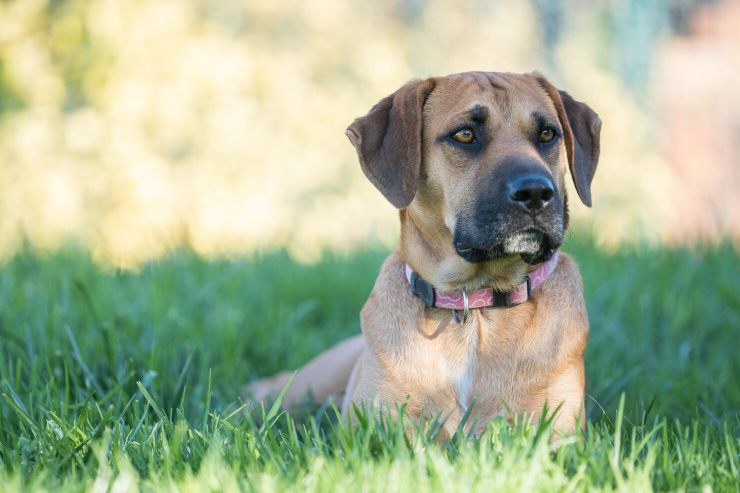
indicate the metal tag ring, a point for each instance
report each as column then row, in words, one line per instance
column 466, row 309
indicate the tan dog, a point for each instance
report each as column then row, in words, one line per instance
column 476, row 163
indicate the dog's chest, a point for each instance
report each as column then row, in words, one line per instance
column 458, row 365
column 478, row 361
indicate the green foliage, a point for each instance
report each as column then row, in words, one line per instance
column 132, row 380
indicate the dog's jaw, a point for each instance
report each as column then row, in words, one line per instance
column 533, row 245
column 430, row 250
column 524, row 242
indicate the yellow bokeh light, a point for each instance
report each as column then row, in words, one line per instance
column 140, row 126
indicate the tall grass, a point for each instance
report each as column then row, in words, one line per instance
column 130, row 380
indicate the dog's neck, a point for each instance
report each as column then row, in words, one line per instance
column 426, row 245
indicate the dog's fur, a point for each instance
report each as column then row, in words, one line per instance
column 460, row 229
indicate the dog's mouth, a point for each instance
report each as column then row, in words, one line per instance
column 526, row 242
column 534, row 246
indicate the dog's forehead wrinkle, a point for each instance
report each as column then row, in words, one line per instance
column 497, row 81
column 490, row 90
column 462, row 83
column 540, row 115
column 503, row 90
column 475, row 111
column 480, row 79
column 480, row 82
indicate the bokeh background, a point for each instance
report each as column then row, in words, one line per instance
column 132, row 128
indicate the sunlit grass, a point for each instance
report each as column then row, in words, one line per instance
column 132, row 379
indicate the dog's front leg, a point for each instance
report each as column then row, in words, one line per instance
column 323, row 377
column 565, row 392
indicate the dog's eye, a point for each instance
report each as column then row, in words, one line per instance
column 547, row 135
column 464, row 136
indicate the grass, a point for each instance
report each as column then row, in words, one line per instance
column 117, row 381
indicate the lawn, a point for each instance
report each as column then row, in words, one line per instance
column 129, row 381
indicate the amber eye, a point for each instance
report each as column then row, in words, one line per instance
column 547, row 135
column 464, row 136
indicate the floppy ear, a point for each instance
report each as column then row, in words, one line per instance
column 582, row 129
column 388, row 142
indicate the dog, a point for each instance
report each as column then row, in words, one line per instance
column 477, row 310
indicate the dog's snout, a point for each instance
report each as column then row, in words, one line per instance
column 531, row 192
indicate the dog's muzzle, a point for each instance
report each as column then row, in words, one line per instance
column 533, row 246
column 520, row 213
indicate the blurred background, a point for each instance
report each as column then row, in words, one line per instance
column 136, row 127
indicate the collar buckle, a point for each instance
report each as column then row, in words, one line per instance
column 422, row 289
column 504, row 299
column 501, row 299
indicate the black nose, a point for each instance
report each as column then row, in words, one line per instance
column 531, row 192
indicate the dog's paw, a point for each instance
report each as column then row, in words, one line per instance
column 265, row 390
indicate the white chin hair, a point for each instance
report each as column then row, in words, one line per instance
column 523, row 242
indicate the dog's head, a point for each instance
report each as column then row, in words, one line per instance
column 486, row 155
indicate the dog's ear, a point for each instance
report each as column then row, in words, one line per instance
column 388, row 142
column 582, row 129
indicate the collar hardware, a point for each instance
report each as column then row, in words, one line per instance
column 466, row 309
column 464, row 300
column 422, row 289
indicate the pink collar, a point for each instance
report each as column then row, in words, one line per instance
column 480, row 298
